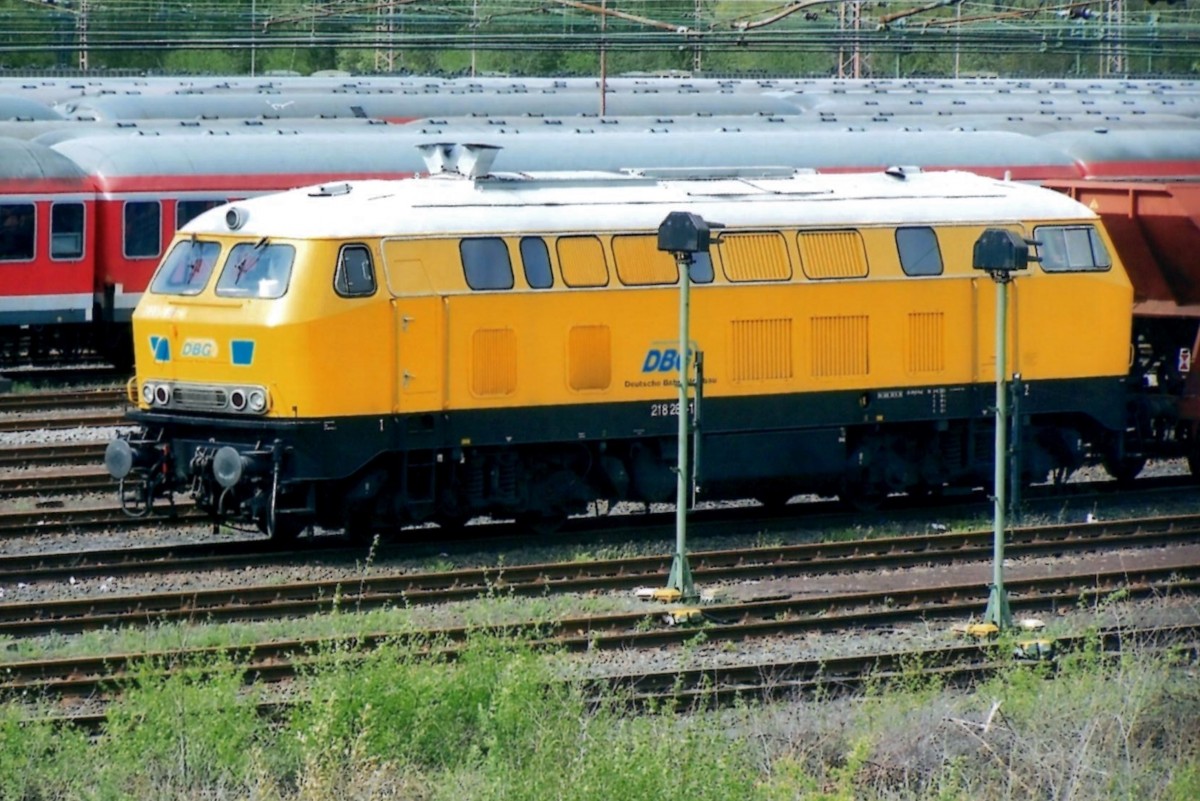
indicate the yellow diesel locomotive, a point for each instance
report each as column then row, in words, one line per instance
column 372, row 354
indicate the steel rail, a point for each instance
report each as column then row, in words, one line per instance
column 270, row 602
column 66, row 399
column 724, row 564
column 59, row 453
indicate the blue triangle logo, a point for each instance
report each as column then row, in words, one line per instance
column 160, row 347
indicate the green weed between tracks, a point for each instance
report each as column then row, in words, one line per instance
column 495, row 723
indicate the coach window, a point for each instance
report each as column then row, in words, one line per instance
column 188, row 210
column 186, row 268
column 1071, row 248
column 535, row 257
column 486, row 264
column 16, row 231
column 66, row 231
column 355, row 275
column 919, row 252
column 143, row 229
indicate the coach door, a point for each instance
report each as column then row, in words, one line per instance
column 418, row 316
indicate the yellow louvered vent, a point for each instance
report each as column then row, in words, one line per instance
column 641, row 263
column 762, row 350
column 581, row 259
column 494, row 362
column 839, row 346
column 755, row 257
column 926, row 342
column 832, row 254
column 589, row 357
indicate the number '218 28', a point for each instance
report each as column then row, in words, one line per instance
column 668, row 409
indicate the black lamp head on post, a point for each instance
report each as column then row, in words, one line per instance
column 1000, row 252
column 683, row 232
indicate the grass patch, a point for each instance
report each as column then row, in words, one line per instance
column 495, row 723
column 497, row 609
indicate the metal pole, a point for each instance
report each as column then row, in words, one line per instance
column 997, row 608
column 681, row 574
column 253, row 18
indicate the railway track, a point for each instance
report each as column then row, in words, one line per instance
column 59, row 422
column 59, row 520
column 369, row 592
column 58, row 454
column 101, row 676
column 66, row 399
column 879, row 552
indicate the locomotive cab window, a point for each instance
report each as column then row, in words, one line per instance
column 355, row 276
column 143, row 229
column 486, row 264
column 16, row 231
column 1071, row 248
column 535, row 257
column 919, row 252
column 66, row 231
column 256, row 271
column 186, row 268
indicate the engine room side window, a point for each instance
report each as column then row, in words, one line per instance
column 754, row 257
column 355, row 276
column 186, row 268
column 143, row 229
column 16, row 231
column 919, row 251
column 486, row 264
column 66, row 231
column 256, row 271
column 1071, row 248
column 581, row 259
column 535, row 257
column 832, row 254
column 639, row 262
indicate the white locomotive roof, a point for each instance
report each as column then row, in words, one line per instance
column 448, row 204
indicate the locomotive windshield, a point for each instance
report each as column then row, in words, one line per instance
column 260, row 270
column 186, row 269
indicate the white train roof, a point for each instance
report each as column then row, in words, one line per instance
column 446, row 204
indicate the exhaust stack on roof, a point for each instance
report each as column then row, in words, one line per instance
column 468, row 160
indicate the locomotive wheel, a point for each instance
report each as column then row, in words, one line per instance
column 862, row 496
column 281, row 528
column 542, row 524
column 1193, row 460
column 774, row 500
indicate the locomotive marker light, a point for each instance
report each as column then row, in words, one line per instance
column 683, row 234
column 1000, row 253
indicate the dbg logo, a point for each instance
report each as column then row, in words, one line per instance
column 199, row 349
column 665, row 360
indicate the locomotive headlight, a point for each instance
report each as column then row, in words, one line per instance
column 148, row 392
column 237, row 399
column 235, row 218
column 162, row 394
column 258, row 400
